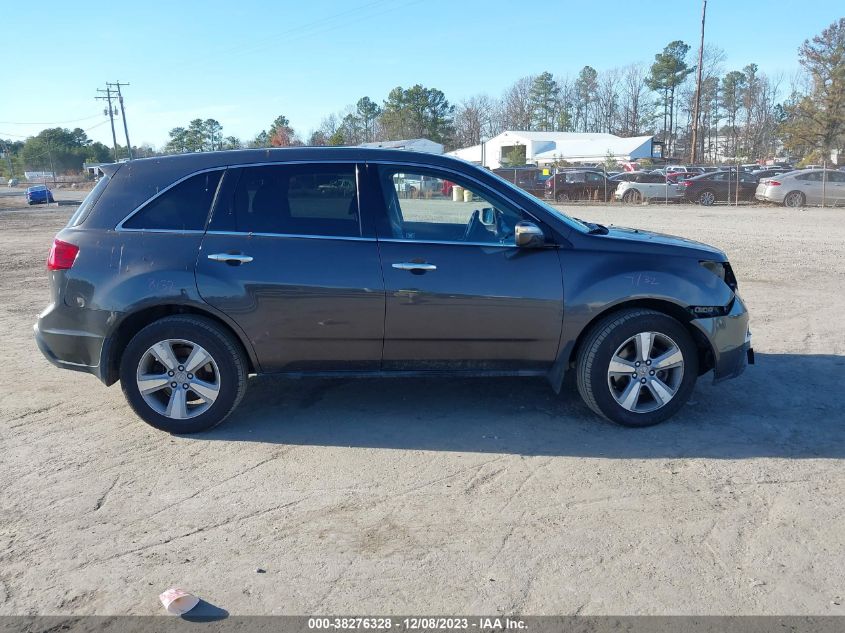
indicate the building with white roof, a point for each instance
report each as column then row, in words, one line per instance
column 544, row 148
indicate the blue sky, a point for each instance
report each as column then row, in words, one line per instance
column 245, row 62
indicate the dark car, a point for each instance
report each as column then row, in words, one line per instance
column 531, row 179
column 39, row 194
column 579, row 184
column 719, row 186
column 179, row 276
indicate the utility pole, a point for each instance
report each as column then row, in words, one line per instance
column 696, row 111
column 117, row 85
column 108, row 97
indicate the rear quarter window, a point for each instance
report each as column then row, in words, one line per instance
column 183, row 207
column 88, row 203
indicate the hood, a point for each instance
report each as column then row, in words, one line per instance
column 650, row 240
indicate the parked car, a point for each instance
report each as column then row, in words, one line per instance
column 769, row 172
column 531, row 179
column 802, row 187
column 38, row 194
column 180, row 276
column 718, row 186
column 13, row 182
column 647, row 187
column 579, row 184
column 677, row 176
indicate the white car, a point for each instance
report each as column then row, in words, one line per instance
column 803, row 187
column 13, row 182
column 647, row 187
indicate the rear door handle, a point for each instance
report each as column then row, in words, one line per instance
column 230, row 258
column 414, row 266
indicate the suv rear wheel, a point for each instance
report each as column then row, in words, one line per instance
column 183, row 374
column 637, row 367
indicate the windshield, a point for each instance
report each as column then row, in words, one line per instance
column 576, row 224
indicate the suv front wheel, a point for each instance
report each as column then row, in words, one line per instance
column 183, row 374
column 637, row 367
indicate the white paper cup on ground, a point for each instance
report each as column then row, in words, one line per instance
column 178, row 601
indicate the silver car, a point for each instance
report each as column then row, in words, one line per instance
column 803, row 187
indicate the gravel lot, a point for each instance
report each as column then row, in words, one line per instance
column 462, row 496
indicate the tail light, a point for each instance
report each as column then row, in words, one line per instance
column 773, row 183
column 686, row 183
column 62, row 255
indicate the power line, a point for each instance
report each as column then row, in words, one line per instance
column 87, row 118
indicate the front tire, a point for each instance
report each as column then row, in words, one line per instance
column 183, row 374
column 637, row 367
column 632, row 196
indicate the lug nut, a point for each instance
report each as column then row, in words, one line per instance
column 191, row 376
column 181, row 368
column 648, row 362
column 174, row 385
column 637, row 364
column 170, row 373
column 185, row 386
column 634, row 374
column 651, row 372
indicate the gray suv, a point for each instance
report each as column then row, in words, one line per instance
column 180, row 276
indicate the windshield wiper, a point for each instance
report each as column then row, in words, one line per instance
column 595, row 228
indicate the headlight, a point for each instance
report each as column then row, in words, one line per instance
column 723, row 271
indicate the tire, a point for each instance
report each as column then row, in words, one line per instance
column 220, row 381
column 632, row 196
column 794, row 200
column 562, row 197
column 707, row 198
column 602, row 388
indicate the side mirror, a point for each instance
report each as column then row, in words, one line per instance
column 488, row 216
column 528, row 235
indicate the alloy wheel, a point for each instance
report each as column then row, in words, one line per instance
column 707, row 198
column 178, row 379
column 645, row 372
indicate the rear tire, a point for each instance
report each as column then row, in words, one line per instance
column 562, row 197
column 215, row 385
column 794, row 200
column 707, row 198
column 660, row 388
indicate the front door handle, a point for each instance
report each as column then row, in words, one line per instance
column 414, row 266
column 233, row 259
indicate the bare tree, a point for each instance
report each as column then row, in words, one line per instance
column 474, row 120
column 517, row 105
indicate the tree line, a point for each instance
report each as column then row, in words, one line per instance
column 745, row 114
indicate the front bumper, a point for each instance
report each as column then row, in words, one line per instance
column 730, row 341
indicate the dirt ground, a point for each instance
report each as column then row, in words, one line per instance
column 462, row 496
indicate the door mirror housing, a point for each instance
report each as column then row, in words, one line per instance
column 528, row 235
column 488, row 216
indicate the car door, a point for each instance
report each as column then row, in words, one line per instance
column 460, row 295
column 836, row 188
column 288, row 256
column 810, row 184
column 595, row 186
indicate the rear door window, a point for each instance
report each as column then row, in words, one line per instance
column 311, row 200
column 183, row 207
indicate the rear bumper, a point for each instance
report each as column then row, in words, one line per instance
column 730, row 341
column 73, row 349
